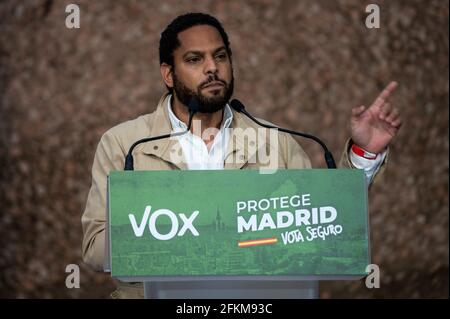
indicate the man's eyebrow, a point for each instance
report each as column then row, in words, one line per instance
column 202, row 52
column 219, row 49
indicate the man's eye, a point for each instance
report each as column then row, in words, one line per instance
column 221, row 56
column 193, row 60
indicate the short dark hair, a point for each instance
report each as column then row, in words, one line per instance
column 169, row 37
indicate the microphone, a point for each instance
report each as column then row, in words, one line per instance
column 239, row 107
column 193, row 107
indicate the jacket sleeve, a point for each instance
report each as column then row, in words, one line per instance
column 345, row 162
column 108, row 156
column 296, row 157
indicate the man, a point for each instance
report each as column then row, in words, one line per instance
column 195, row 61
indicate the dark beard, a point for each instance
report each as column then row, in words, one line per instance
column 207, row 105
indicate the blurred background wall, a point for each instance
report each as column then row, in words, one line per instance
column 298, row 63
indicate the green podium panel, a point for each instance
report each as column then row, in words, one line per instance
column 305, row 224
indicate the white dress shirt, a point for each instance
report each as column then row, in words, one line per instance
column 195, row 151
column 370, row 166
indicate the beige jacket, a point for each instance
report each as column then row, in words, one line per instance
column 156, row 155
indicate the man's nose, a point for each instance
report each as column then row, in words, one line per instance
column 210, row 66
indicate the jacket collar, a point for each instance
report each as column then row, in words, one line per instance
column 159, row 124
column 236, row 156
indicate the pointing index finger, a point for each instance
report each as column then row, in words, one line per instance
column 381, row 99
column 388, row 90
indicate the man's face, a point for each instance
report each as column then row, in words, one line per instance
column 202, row 69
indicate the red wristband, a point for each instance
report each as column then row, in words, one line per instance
column 363, row 153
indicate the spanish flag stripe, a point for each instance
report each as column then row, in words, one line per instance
column 255, row 242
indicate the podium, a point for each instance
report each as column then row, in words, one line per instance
column 237, row 234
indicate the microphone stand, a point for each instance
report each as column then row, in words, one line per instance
column 193, row 107
column 239, row 107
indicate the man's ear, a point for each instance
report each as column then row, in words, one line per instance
column 166, row 73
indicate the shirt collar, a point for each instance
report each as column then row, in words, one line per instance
column 178, row 125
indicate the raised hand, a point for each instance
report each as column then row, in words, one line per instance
column 374, row 127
